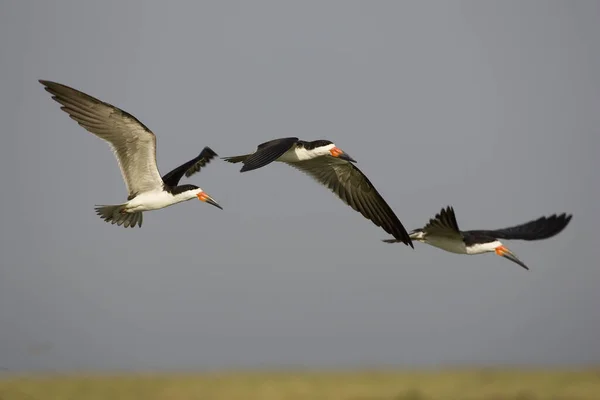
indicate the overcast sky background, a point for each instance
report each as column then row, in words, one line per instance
column 490, row 106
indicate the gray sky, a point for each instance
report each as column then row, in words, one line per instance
column 492, row 107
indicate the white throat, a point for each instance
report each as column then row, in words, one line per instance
column 483, row 247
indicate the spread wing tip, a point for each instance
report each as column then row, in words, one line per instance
column 206, row 156
column 445, row 219
column 209, row 152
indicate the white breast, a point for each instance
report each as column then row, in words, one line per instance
column 299, row 154
column 152, row 201
column 294, row 155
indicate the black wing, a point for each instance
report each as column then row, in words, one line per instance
column 541, row 228
column 355, row 189
column 443, row 224
column 204, row 158
column 189, row 168
column 267, row 153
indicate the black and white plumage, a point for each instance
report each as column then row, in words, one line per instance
column 134, row 146
column 442, row 232
column 333, row 168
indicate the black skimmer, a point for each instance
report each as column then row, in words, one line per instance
column 134, row 146
column 333, row 168
column 442, row 232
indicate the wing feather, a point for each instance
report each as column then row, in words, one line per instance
column 189, row 168
column 443, row 224
column 541, row 228
column 132, row 142
column 354, row 188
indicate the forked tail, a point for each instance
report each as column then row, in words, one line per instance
column 236, row 159
column 115, row 215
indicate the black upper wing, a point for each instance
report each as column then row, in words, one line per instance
column 443, row 224
column 189, row 168
column 204, row 158
column 356, row 190
column 267, row 153
column 541, row 228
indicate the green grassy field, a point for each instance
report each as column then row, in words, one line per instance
column 467, row 384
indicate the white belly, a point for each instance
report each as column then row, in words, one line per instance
column 152, row 201
column 451, row 245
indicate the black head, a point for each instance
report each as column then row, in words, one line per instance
column 180, row 189
column 314, row 144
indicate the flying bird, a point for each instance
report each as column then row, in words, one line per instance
column 333, row 168
column 442, row 232
column 134, row 146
